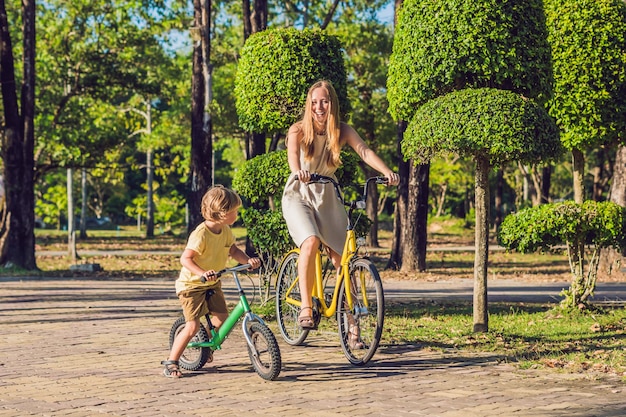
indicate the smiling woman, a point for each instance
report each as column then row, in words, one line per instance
column 313, row 147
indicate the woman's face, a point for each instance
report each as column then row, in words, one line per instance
column 320, row 100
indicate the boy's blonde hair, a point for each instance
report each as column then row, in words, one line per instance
column 218, row 201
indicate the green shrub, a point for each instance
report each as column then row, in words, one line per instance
column 584, row 229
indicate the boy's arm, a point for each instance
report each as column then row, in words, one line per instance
column 186, row 260
column 241, row 257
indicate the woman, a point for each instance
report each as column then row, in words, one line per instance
column 313, row 212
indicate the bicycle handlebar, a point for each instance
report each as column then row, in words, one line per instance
column 227, row 270
column 360, row 204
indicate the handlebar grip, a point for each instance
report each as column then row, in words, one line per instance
column 216, row 275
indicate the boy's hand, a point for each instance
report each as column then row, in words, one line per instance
column 254, row 262
column 209, row 275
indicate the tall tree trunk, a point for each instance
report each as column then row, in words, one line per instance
column 598, row 175
column 150, row 194
column 254, row 21
column 83, row 204
column 546, row 180
column 578, row 165
column 247, row 22
column 498, row 198
column 402, row 202
column 613, row 262
column 256, row 144
column 201, row 146
column 17, row 236
column 481, row 255
column 71, row 219
column 274, row 143
column 414, row 231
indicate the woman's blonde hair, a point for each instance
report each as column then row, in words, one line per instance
column 333, row 125
column 218, row 201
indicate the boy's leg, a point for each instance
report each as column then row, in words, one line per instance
column 217, row 306
column 194, row 307
column 182, row 338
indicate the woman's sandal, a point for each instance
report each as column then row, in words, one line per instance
column 354, row 340
column 171, row 369
column 306, row 322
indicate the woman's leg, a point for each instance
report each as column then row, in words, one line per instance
column 306, row 273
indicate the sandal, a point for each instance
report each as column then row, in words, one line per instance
column 306, row 322
column 354, row 340
column 171, row 369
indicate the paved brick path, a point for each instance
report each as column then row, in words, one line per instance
column 92, row 348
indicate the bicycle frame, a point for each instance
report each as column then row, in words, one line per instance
column 217, row 337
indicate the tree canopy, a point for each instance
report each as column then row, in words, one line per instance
column 498, row 125
column 588, row 44
column 450, row 44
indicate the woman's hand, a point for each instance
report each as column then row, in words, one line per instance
column 303, row 175
column 393, row 178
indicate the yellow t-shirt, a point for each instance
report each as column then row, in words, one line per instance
column 212, row 253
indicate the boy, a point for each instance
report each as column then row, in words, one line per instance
column 207, row 251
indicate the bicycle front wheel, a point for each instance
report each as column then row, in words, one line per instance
column 287, row 313
column 361, row 327
column 266, row 355
column 194, row 358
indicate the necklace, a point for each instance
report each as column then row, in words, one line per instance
column 321, row 133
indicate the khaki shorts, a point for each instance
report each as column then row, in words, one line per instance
column 196, row 305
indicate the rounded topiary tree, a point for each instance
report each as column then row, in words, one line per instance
column 587, row 40
column 492, row 126
column 448, row 45
column 584, row 228
column 275, row 71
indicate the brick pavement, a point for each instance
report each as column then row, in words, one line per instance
column 92, row 348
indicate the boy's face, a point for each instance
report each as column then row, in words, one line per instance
column 231, row 216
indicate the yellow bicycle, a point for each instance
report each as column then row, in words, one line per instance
column 356, row 297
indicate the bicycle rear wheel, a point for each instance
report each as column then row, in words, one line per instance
column 192, row 359
column 287, row 313
column 361, row 327
column 266, row 356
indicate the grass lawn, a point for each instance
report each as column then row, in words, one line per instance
column 529, row 335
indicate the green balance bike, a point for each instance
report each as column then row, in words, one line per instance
column 263, row 349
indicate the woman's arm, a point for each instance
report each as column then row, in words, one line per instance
column 353, row 139
column 293, row 154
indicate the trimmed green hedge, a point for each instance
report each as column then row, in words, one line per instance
column 498, row 124
column 275, row 71
column 446, row 45
column 542, row 227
